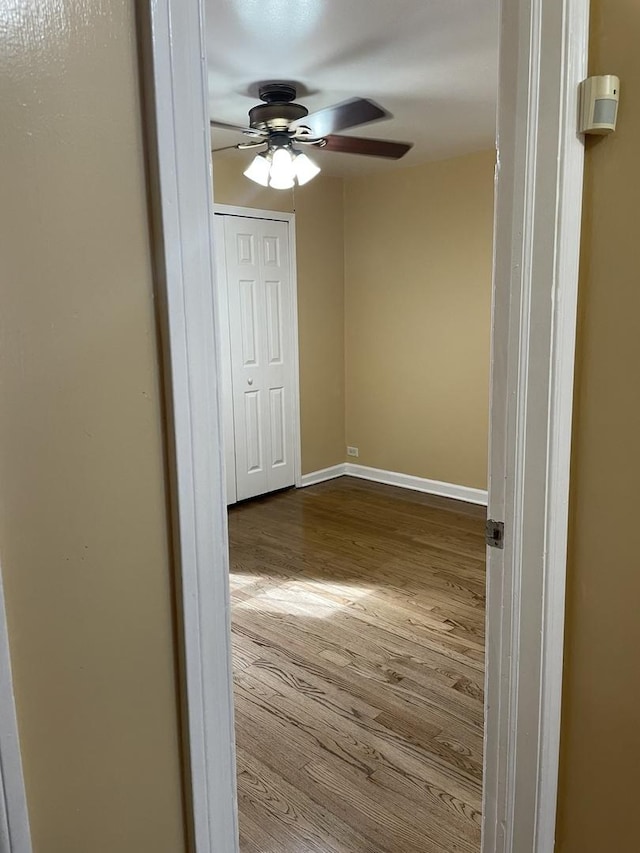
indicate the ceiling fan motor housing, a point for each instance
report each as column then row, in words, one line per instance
column 278, row 111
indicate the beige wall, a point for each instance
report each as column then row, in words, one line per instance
column 394, row 293
column 600, row 734
column 418, row 298
column 320, row 258
column 83, row 535
column 320, row 247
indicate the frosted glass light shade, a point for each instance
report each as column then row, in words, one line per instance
column 305, row 169
column 258, row 170
column 281, row 182
column 281, row 161
column 282, row 171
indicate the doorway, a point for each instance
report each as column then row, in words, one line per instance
column 358, row 608
column 538, row 205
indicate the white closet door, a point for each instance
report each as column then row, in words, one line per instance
column 261, row 331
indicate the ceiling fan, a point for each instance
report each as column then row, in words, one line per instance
column 279, row 126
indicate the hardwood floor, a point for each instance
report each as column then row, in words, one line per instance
column 358, row 631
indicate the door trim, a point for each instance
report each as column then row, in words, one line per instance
column 290, row 219
column 538, row 214
column 15, row 834
column 178, row 147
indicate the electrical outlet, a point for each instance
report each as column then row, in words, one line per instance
column 352, row 451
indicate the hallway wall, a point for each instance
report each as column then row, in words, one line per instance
column 600, row 733
column 83, row 521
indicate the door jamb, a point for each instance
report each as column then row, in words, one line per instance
column 15, row 834
column 290, row 219
column 538, row 214
column 543, row 56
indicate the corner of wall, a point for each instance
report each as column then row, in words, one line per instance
column 344, row 308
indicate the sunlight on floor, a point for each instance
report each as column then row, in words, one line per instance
column 237, row 581
column 308, row 598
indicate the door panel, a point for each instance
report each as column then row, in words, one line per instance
column 248, row 324
column 246, row 309
column 253, row 431
column 279, row 350
column 245, row 249
column 262, row 347
column 271, row 246
column 274, row 321
column 278, row 428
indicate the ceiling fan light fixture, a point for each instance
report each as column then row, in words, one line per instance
column 258, row 170
column 281, row 167
column 282, row 171
column 305, row 169
column 279, row 123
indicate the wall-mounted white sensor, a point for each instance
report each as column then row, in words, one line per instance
column 599, row 104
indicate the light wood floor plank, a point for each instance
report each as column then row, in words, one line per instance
column 358, row 642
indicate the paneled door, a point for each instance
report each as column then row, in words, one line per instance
column 256, row 294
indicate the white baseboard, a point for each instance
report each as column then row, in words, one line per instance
column 418, row 484
column 403, row 481
column 322, row 475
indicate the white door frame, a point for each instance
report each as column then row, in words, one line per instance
column 15, row 835
column 538, row 214
column 290, row 219
column 543, row 57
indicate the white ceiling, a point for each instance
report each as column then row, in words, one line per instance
column 431, row 63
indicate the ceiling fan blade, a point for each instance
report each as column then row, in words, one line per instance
column 370, row 147
column 243, row 146
column 250, row 131
column 341, row 116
